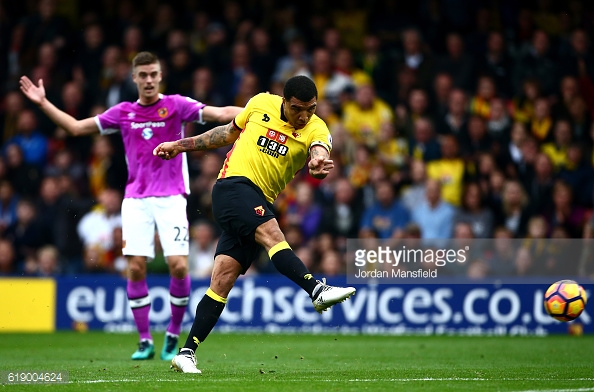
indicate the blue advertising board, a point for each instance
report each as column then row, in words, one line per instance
column 275, row 304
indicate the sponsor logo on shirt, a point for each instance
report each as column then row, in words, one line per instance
column 147, row 133
column 273, row 143
column 148, row 124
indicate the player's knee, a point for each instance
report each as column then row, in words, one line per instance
column 224, row 275
column 178, row 266
column 269, row 234
column 136, row 268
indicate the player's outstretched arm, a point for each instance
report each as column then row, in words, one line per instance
column 218, row 114
column 320, row 163
column 220, row 136
column 73, row 126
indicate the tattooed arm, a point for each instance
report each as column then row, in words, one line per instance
column 320, row 163
column 217, row 137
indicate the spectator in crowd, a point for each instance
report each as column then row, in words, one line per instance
column 203, row 243
column 417, row 107
column 413, row 194
column 304, row 212
column 9, row 118
column 392, row 149
column 331, row 264
column 569, row 90
column 104, row 170
column 330, row 82
column 8, row 205
column 295, row 62
column 564, row 213
column 580, row 118
column 474, row 213
column 424, row 144
column 262, row 58
column 65, row 163
column 48, row 261
column 24, row 232
column 118, row 88
column 540, row 186
column 387, row 217
column 32, row 142
column 416, row 58
column 521, row 106
column 525, row 167
column 514, row 211
column 579, row 175
column 23, row 176
column 486, row 92
column 249, row 85
column 364, row 117
column 341, row 217
column 501, row 259
column 442, row 88
column 511, row 154
column 376, row 63
column 91, row 53
column 580, row 52
column 95, row 230
column 434, row 216
column 556, row 150
column 204, row 88
column 497, row 63
column 499, row 124
column 450, row 170
column 7, row 258
column 455, row 120
column 542, row 122
column 458, row 63
column 537, row 62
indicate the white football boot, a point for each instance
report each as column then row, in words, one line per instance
column 185, row 362
column 324, row 296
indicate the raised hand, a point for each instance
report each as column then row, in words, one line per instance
column 35, row 93
column 319, row 167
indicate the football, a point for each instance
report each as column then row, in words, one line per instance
column 565, row 300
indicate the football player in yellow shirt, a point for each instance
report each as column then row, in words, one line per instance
column 272, row 139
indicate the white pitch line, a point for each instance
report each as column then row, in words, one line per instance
column 126, row 380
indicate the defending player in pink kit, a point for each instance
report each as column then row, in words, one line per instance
column 155, row 190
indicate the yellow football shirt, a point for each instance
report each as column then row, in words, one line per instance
column 269, row 151
column 450, row 173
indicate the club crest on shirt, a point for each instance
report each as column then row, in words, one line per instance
column 147, row 133
column 295, row 134
column 163, row 112
column 259, row 210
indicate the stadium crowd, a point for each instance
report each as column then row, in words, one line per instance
column 450, row 119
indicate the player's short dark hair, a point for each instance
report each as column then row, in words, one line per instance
column 300, row 87
column 144, row 58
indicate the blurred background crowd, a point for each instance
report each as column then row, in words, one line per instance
column 450, row 119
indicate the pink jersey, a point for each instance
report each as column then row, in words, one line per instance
column 143, row 128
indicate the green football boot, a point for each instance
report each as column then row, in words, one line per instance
column 169, row 347
column 146, row 350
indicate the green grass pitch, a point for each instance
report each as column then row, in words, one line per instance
column 99, row 361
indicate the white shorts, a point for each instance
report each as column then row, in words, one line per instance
column 167, row 214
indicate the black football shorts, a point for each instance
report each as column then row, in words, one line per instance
column 239, row 207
